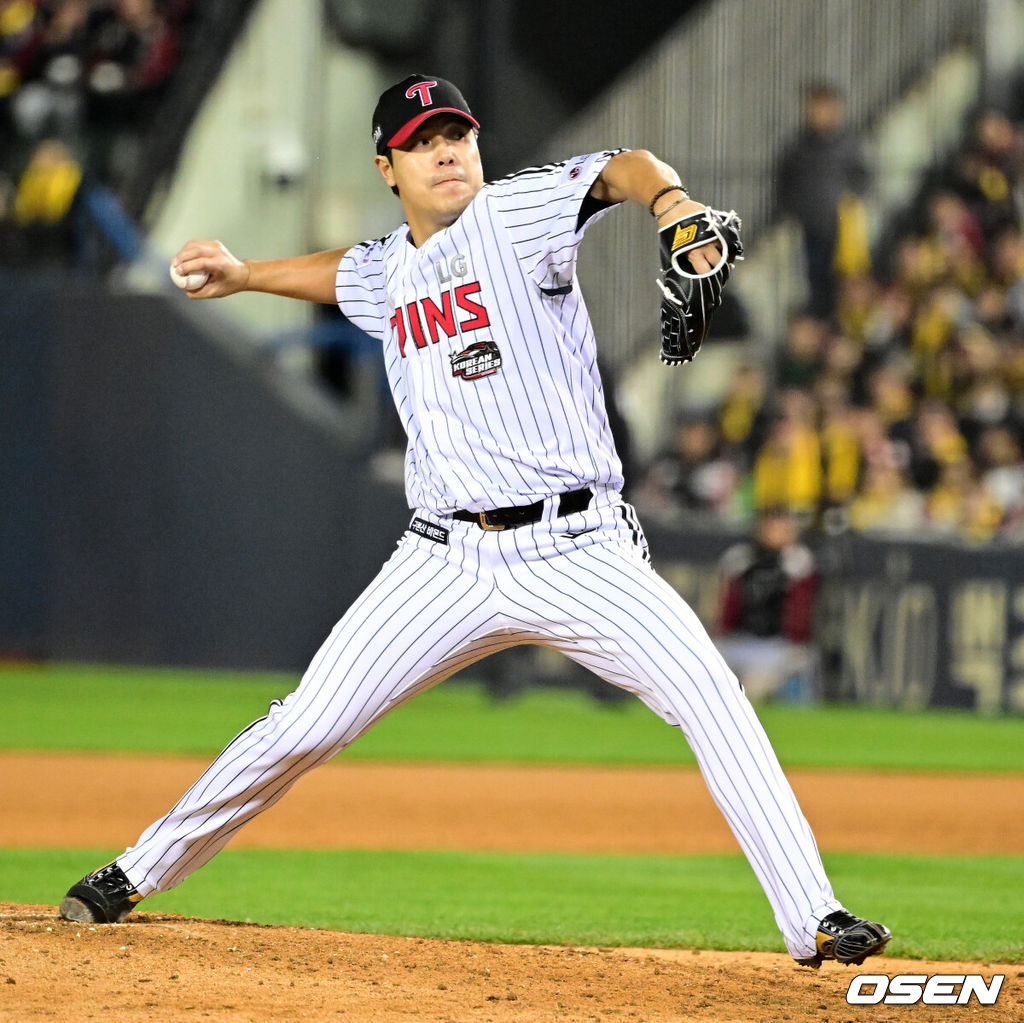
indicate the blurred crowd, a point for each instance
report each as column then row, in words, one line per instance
column 79, row 80
column 896, row 401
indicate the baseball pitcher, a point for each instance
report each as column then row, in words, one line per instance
column 518, row 533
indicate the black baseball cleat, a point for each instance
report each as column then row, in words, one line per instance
column 105, row 896
column 848, row 939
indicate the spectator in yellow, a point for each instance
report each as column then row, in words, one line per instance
column 918, row 266
column 48, row 185
column 858, row 309
column 933, row 332
column 957, row 241
column 886, row 501
column 742, row 411
column 891, row 394
column 938, row 434
column 959, row 505
column 787, row 471
column 840, row 442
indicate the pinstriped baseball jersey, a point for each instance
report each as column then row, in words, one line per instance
column 489, row 348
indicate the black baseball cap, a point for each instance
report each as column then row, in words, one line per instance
column 405, row 106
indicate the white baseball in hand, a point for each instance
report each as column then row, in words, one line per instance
column 189, row 282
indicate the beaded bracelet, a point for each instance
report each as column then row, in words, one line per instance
column 665, row 191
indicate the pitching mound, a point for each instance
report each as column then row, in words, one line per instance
column 175, row 969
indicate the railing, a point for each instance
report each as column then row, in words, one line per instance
column 720, row 100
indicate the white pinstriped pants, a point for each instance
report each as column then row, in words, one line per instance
column 435, row 608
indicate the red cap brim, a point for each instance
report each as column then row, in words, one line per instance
column 402, row 135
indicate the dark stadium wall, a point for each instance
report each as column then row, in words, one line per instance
column 171, row 508
column 26, row 320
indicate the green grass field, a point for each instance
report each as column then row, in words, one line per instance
column 636, row 901
column 938, row 907
column 172, row 711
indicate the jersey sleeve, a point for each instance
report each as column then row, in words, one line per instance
column 545, row 212
column 359, row 287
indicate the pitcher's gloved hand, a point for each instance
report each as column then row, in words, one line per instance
column 689, row 299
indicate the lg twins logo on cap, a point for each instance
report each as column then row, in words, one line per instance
column 420, row 90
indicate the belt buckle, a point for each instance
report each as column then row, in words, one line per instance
column 484, row 524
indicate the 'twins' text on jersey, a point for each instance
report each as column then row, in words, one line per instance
column 431, row 318
column 488, row 345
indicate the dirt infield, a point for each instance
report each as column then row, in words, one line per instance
column 358, row 805
column 177, row 969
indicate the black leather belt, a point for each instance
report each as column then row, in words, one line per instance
column 523, row 515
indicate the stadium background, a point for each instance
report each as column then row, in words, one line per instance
column 210, row 485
